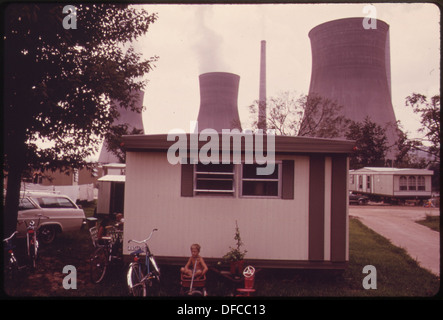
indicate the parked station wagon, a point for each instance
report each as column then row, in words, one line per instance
column 57, row 213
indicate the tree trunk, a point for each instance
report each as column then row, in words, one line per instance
column 16, row 165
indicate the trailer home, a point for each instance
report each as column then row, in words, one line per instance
column 295, row 217
column 111, row 190
column 392, row 183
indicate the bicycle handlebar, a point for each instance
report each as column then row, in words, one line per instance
column 146, row 240
column 12, row 235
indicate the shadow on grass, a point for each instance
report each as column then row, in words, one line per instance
column 397, row 275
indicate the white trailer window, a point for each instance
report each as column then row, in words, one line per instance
column 412, row 183
column 214, row 179
column 403, row 183
column 421, row 183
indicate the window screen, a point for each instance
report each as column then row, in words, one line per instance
column 214, row 179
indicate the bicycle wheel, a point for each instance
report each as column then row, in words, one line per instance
column 32, row 252
column 135, row 275
column 98, row 264
column 156, row 269
column 11, row 269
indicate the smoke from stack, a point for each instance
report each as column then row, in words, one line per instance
column 207, row 43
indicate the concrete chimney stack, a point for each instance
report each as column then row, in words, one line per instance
column 262, row 89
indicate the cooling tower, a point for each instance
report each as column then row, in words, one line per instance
column 218, row 101
column 127, row 116
column 351, row 66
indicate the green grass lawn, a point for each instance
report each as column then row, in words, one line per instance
column 397, row 274
column 432, row 222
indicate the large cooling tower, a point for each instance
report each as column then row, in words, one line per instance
column 351, row 65
column 218, row 101
column 127, row 116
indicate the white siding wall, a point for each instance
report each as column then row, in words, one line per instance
column 104, row 194
column 270, row 228
column 383, row 184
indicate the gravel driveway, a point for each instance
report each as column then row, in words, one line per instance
column 397, row 223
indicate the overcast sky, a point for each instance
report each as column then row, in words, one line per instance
column 193, row 39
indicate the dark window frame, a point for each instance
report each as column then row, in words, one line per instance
column 261, row 181
column 287, row 181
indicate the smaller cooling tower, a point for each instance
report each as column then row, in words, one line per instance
column 218, row 101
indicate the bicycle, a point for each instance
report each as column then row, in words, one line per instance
column 104, row 254
column 32, row 241
column 12, row 268
column 140, row 275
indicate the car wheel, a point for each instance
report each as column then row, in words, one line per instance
column 46, row 234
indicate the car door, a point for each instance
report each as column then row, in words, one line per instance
column 61, row 211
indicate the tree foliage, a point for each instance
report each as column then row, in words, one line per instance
column 371, row 144
column 290, row 114
column 60, row 84
column 113, row 139
column 429, row 111
column 405, row 157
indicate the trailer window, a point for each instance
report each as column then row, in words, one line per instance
column 214, row 179
column 412, row 183
column 421, row 183
column 360, row 182
column 403, row 183
column 260, row 185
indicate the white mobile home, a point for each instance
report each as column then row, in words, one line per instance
column 399, row 183
column 295, row 217
column 111, row 189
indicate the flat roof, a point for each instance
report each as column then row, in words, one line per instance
column 387, row 170
column 283, row 144
column 113, row 178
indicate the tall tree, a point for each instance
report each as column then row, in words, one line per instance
column 429, row 111
column 113, row 141
column 61, row 81
column 404, row 150
column 290, row 114
column 371, row 144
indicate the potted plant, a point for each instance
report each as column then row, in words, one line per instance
column 235, row 255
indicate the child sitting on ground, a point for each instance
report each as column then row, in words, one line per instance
column 195, row 261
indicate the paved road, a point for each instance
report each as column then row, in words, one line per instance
column 397, row 223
